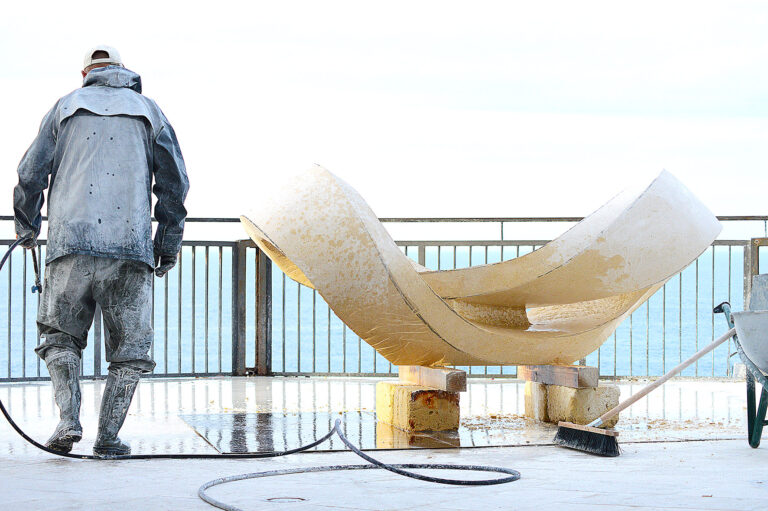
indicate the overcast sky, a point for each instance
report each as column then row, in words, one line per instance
column 427, row 108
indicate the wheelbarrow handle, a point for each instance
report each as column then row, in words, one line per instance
column 725, row 308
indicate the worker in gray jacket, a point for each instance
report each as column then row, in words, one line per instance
column 99, row 151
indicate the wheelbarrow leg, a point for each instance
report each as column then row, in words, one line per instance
column 751, row 406
column 758, row 419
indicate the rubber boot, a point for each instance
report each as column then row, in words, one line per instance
column 118, row 392
column 64, row 368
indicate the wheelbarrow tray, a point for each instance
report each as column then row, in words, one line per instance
column 752, row 329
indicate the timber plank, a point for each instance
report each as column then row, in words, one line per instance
column 451, row 380
column 577, row 377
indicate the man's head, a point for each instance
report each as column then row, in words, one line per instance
column 101, row 56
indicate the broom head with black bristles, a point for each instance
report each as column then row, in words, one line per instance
column 601, row 442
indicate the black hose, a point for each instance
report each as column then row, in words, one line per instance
column 513, row 475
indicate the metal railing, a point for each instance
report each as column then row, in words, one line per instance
column 191, row 317
column 224, row 309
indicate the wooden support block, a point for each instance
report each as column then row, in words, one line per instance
column 577, row 377
column 451, row 380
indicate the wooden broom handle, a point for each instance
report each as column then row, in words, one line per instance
column 661, row 381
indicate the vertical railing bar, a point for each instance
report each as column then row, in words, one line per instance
column 178, row 322
column 713, row 306
column 374, row 360
column 221, row 296
column 359, row 355
column 41, row 263
column 454, row 258
column 344, row 347
column 696, row 308
column 298, row 328
column 239, row 309
column 207, row 289
column 283, row 317
column 194, row 308
column 264, row 362
column 485, row 368
column 470, row 255
column 314, row 325
column 647, row 337
column 664, row 329
column 438, row 256
column 256, row 277
column 728, row 353
column 631, row 350
column 615, row 349
column 152, row 321
column 329, row 339
column 256, row 307
column 165, row 311
column 24, row 315
column 680, row 318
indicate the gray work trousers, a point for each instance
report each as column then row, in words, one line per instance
column 75, row 284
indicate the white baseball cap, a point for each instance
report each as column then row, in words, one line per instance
column 114, row 56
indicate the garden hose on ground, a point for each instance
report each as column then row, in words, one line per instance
column 512, row 475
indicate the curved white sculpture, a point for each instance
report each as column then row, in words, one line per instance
column 554, row 305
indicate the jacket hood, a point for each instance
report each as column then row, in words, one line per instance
column 113, row 76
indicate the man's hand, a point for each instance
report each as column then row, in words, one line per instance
column 28, row 243
column 164, row 264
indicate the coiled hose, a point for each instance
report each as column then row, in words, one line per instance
column 511, row 475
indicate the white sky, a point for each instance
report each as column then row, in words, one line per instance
column 428, row 108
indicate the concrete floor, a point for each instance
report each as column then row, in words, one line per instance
column 713, row 468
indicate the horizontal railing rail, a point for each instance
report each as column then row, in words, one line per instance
column 480, row 219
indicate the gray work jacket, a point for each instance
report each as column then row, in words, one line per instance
column 101, row 146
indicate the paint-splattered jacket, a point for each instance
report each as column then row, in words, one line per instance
column 101, row 146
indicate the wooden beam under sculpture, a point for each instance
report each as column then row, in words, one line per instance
column 552, row 306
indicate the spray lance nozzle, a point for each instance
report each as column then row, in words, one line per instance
column 37, row 288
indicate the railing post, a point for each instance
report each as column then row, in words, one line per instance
column 238, row 308
column 752, row 265
column 263, row 314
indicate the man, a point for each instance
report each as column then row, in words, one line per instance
column 99, row 149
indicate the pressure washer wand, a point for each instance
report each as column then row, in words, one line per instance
column 37, row 288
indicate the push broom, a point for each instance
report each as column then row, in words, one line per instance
column 603, row 442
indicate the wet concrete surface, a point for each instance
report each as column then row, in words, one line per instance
column 222, row 414
column 655, row 471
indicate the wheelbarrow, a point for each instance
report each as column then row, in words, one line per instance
column 751, row 342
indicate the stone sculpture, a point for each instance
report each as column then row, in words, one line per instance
column 552, row 306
